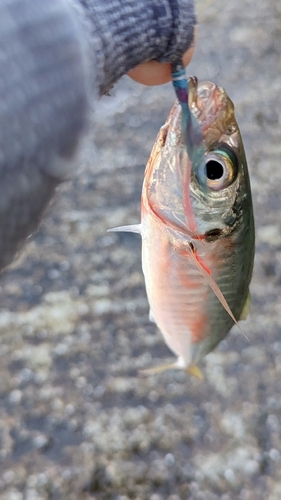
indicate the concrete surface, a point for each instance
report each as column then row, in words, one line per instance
column 76, row 422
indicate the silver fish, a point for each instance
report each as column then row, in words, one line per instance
column 197, row 230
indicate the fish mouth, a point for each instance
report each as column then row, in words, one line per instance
column 193, row 102
column 213, row 109
column 205, row 99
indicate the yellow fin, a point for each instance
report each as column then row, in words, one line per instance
column 246, row 308
column 195, row 371
column 192, row 370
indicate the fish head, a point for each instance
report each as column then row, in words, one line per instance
column 219, row 188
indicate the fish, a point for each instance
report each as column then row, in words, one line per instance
column 197, row 230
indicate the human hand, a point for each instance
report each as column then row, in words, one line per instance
column 156, row 73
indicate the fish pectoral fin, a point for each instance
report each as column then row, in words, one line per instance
column 213, row 285
column 246, row 308
column 216, row 289
column 177, row 365
column 133, row 228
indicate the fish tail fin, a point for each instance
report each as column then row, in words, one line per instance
column 133, row 228
column 195, row 372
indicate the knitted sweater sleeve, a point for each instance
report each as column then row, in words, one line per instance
column 55, row 58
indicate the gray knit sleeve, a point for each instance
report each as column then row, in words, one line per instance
column 125, row 33
column 55, row 57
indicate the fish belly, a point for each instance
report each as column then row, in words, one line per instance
column 176, row 290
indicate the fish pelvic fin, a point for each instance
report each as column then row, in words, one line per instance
column 133, row 228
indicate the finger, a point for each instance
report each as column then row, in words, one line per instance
column 156, row 73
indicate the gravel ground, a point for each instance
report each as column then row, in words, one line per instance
column 76, row 421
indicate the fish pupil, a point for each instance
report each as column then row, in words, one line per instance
column 214, row 170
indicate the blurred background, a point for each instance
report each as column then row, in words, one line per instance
column 76, row 421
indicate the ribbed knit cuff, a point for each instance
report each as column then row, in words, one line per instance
column 142, row 30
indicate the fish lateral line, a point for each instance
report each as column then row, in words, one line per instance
column 133, row 228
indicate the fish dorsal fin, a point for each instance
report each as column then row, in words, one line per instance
column 133, row 228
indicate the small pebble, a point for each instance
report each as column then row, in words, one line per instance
column 274, row 455
column 41, row 442
column 15, row 397
column 169, row 460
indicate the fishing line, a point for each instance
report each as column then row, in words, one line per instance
column 192, row 140
column 191, row 132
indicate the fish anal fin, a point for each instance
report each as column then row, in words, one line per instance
column 133, row 228
column 159, row 369
column 177, row 365
column 246, row 308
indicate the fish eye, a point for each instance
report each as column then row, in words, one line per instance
column 221, row 168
